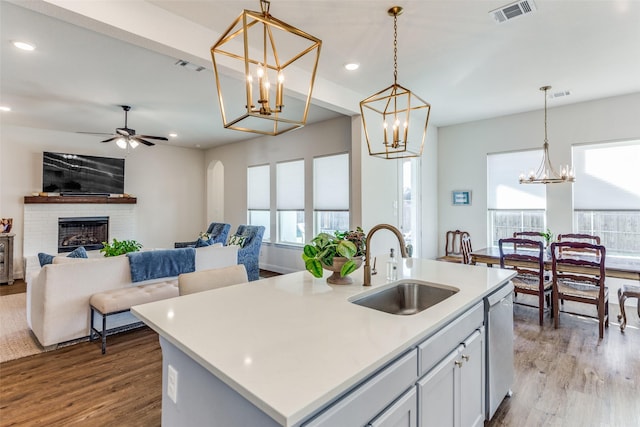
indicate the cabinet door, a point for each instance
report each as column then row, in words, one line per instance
column 438, row 393
column 403, row 412
column 472, row 381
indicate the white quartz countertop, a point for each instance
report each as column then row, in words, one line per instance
column 291, row 344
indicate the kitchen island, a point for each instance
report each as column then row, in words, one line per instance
column 291, row 349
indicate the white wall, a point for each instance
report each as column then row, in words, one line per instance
column 168, row 182
column 463, row 149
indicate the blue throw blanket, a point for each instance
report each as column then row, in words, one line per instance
column 161, row 263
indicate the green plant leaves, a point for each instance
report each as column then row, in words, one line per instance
column 314, row 267
column 348, row 268
column 324, row 247
column 346, row 249
column 119, row 247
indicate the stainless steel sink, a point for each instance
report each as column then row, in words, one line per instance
column 406, row 297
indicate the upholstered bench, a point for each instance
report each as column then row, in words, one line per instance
column 121, row 300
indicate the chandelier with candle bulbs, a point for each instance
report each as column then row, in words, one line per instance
column 395, row 119
column 546, row 174
column 265, row 53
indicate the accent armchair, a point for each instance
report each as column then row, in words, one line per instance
column 249, row 252
column 219, row 232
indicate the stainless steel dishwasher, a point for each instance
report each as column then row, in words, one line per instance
column 499, row 324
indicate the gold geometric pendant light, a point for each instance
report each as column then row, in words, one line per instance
column 546, row 174
column 395, row 119
column 248, row 49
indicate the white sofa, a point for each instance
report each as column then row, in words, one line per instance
column 58, row 294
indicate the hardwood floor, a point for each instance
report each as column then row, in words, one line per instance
column 18, row 286
column 77, row 385
column 564, row 377
column 568, row 377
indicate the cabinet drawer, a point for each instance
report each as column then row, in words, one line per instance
column 436, row 347
column 367, row 400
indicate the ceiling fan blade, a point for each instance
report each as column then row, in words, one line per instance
column 161, row 138
column 125, row 132
column 95, row 133
column 135, row 138
column 110, row 139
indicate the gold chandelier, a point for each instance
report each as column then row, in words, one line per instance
column 546, row 174
column 395, row 119
column 248, row 48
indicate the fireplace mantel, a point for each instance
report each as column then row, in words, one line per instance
column 80, row 199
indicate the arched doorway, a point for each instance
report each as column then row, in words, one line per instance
column 215, row 191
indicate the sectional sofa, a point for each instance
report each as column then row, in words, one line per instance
column 58, row 293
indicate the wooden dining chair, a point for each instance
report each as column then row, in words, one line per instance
column 577, row 237
column 529, row 235
column 530, row 277
column 465, row 247
column 579, row 275
column 453, row 246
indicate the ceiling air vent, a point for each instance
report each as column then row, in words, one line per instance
column 513, row 10
column 188, row 65
column 559, row 94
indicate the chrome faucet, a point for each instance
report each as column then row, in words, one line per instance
column 367, row 252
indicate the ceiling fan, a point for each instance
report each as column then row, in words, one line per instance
column 126, row 137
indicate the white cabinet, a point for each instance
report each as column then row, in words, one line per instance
column 402, row 413
column 373, row 397
column 452, row 393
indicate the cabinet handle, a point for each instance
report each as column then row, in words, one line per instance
column 465, row 357
column 458, row 363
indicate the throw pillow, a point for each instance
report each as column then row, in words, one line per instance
column 45, row 259
column 203, row 242
column 237, row 240
column 79, row 252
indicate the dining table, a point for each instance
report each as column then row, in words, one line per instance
column 619, row 267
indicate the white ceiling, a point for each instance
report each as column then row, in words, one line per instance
column 93, row 56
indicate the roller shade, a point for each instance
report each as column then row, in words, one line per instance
column 290, row 185
column 331, row 183
column 258, row 188
column 607, row 176
column 504, row 191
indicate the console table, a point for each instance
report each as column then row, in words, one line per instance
column 6, row 258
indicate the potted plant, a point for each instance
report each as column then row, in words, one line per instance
column 119, row 247
column 341, row 253
column 548, row 235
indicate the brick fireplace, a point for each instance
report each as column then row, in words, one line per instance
column 41, row 222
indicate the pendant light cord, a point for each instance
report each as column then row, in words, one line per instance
column 395, row 48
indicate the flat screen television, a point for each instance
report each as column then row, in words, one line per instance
column 76, row 174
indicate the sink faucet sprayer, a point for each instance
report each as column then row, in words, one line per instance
column 367, row 252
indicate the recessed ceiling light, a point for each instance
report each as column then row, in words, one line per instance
column 24, row 45
column 351, row 66
column 4, row 108
column 173, row 135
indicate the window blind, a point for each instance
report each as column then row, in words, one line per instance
column 290, row 185
column 607, row 176
column 331, row 183
column 258, row 188
column 504, row 191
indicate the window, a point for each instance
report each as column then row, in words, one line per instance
column 513, row 206
column 259, row 198
column 331, row 186
column 410, row 203
column 606, row 199
column 290, row 202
